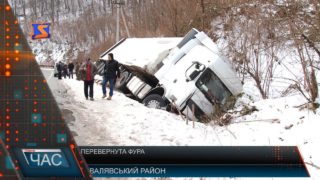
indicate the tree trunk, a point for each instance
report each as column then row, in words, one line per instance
column 35, row 8
column 66, row 5
column 104, row 5
column 79, row 4
column 203, row 14
column 24, row 8
column 52, row 11
column 58, row 11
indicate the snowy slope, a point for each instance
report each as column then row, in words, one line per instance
column 59, row 47
column 123, row 121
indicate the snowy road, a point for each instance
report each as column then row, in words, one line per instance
column 76, row 113
column 123, row 121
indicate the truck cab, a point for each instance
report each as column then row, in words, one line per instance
column 190, row 75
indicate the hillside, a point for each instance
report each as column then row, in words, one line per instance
column 274, row 45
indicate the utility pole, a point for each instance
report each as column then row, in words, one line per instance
column 118, row 4
column 125, row 22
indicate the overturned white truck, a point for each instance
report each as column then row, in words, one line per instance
column 188, row 73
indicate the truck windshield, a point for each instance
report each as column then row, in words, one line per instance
column 212, row 87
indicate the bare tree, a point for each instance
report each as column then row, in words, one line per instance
column 66, row 5
column 52, row 11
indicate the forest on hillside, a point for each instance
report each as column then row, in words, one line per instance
column 257, row 36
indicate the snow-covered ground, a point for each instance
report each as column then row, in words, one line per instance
column 123, row 121
column 48, row 51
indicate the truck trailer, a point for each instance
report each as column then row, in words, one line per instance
column 186, row 73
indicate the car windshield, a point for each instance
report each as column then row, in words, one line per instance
column 212, row 87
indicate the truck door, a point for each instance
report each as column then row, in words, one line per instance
column 210, row 93
column 198, row 107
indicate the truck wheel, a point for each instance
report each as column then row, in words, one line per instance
column 121, row 83
column 154, row 101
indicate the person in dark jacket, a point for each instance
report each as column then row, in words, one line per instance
column 111, row 72
column 59, row 69
column 71, row 67
column 88, row 70
column 65, row 71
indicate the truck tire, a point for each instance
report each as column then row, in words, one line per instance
column 154, row 101
column 122, row 82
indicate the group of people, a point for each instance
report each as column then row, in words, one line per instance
column 111, row 72
column 65, row 70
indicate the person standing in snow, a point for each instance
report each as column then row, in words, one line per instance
column 71, row 67
column 65, row 71
column 77, row 70
column 88, row 70
column 111, row 72
column 59, row 69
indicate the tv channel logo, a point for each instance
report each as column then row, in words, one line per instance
column 44, row 158
column 47, row 162
column 40, row 31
